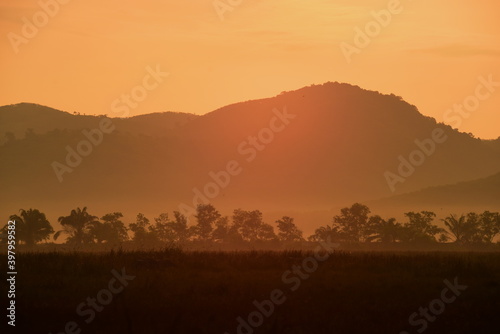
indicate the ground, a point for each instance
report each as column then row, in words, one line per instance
column 172, row 291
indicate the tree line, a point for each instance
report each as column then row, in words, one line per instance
column 353, row 225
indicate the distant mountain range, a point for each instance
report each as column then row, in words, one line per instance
column 478, row 195
column 23, row 116
column 313, row 149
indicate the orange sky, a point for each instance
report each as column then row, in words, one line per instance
column 91, row 52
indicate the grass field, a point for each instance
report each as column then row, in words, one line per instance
column 206, row 292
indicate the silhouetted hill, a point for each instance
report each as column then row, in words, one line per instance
column 495, row 144
column 332, row 150
column 338, row 147
column 462, row 197
column 18, row 118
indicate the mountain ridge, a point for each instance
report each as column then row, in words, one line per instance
column 476, row 195
column 335, row 150
column 18, row 118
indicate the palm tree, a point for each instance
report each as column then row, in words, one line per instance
column 381, row 230
column 77, row 225
column 32, row 226
column 327, row 232
column 464, row 228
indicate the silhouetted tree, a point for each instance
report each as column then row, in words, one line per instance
column 288, row 231
column 222, row 230
column 352, row 223
column 381, row 230
column 419, row 228
column 162, row 229
column 206, row 217
column 266, row 233
column 464, row 229
column 182, row 232
column 31, row 226
column 176, row 231
column 489, row 225
column 77, row 225
column 225, row 231
column 143, row 232
column 111, row 230
column 324, row 233
column 250, row 226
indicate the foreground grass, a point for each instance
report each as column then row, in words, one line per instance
column 205, row 292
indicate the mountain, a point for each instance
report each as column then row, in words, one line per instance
column 495, row 144
column 18, row 118
column 477, row 195
column 312, row 149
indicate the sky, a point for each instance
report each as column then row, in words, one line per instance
column 85, row 56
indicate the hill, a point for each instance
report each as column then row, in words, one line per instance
column 477, row 195
column 313, row 149
column 495, row 144
column 18, row 118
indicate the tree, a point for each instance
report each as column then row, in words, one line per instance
column 176, row 231
column 352, row 223
column 31, row 226
column 325, row 233
column 78, row 226
column 206, row 217
column 111, row 230
column 143, row 232
column 250, row 226
column 225, row 231
column 162, row 229
column 182, row 232
column 464, row 229
column 380, row 230
column 489, row 225
column 222, row 230
column 288, row 231
column 419, row 228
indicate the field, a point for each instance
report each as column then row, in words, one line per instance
column 173, row 291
